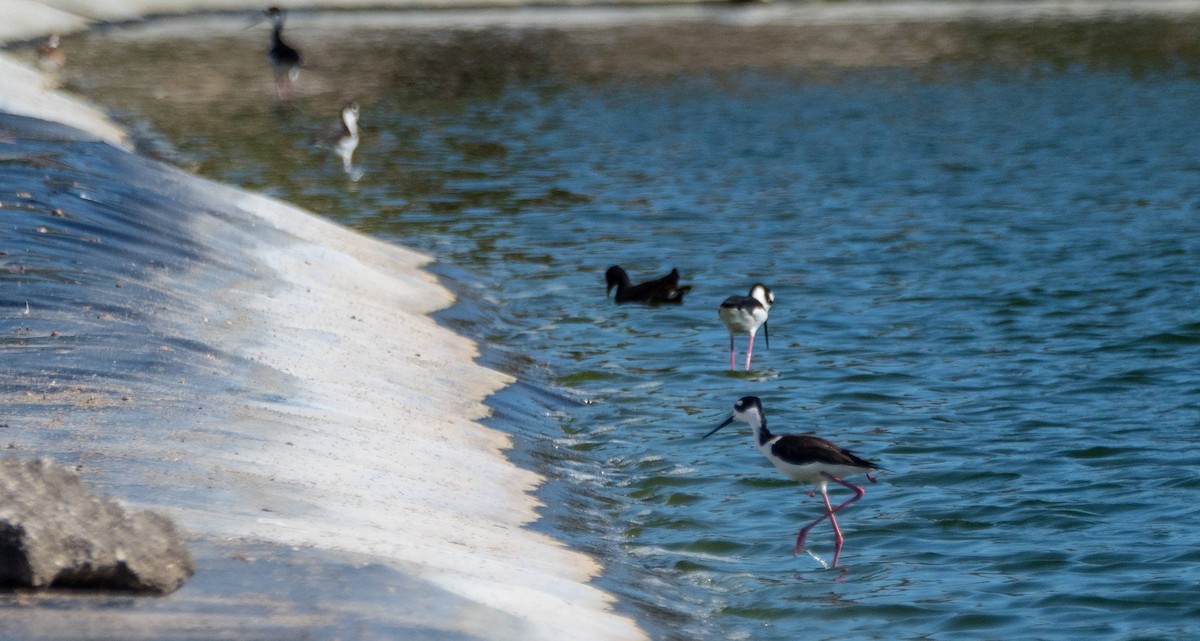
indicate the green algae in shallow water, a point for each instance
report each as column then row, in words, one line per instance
column 679, row 498
column 685, row 565
column 576, row 379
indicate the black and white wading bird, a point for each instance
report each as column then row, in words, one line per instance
column 744, row 315
column 285, row 61
column 664, row 290
column 804, row 459
column 342, row 138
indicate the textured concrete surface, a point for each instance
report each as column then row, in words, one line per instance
column 266, row 378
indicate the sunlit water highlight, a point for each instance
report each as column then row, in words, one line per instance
column 986, row 280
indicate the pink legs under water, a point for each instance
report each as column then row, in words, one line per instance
column 749, row 351
column 829, row 512
column 733, row 352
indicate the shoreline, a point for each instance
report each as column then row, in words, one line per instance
column 340, row 419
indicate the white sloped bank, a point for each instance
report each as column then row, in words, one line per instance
column 374, row 447
column 386, row 455
column 24, row 92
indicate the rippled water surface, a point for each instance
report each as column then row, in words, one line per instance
column 985, row 271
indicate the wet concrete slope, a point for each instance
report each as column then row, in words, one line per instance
column 272, row 382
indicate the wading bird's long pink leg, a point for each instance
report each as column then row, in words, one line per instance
column 830, row 511
column 731, row 352
column 804, row 531
column 749, row 351
column 838, row 539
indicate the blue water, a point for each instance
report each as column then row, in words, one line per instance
column 987, row 284
column 985, row 280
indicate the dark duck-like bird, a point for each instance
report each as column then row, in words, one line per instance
column 804, row 459
column 285, row 60
column 664, row 290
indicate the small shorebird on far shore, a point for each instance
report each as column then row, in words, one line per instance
column 664, row 290
column 744, row 315
column 51, row 57
column 804, row 459
column 342, row 137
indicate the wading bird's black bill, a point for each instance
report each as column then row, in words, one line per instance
column 714, row 431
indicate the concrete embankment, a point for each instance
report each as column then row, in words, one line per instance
column 268, row 379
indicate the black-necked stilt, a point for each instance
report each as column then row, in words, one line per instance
column 744, row 315
column 664, row 290
column 51, row 57
column 285, row 61
column 805, row 459
column 343, row 137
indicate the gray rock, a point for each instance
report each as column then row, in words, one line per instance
column 56, row 532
